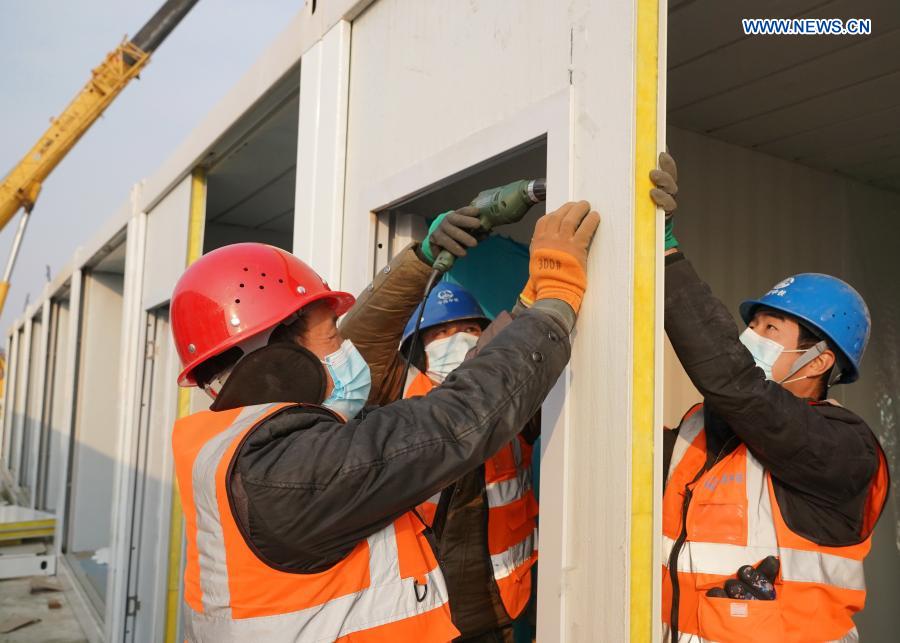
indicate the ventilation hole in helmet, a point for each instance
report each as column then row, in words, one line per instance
column 246, row 269
column 263, row 274
column 281, row 281
column 262, row 287
column 242, row 285
column 237, row 301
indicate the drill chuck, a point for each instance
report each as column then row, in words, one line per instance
column 537, row 190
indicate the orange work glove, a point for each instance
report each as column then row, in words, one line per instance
column 559, row 252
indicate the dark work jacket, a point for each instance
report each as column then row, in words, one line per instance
column 307, row 488
column 461, row 529
column 822, row 457
column 375, row 325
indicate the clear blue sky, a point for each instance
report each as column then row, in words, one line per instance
column 47, row 50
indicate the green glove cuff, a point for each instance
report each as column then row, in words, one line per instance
column 671, row 241
column 426, row 245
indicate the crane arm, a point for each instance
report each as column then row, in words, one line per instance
column 21, row 186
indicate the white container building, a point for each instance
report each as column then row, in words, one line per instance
column 365, row 118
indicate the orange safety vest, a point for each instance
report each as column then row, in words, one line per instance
column 388, row 588
column 512, row 512
column 733, row 519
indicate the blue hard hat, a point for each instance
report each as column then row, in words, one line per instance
column 447, row 302
column 829, row 307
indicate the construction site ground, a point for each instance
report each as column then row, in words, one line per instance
column 55, row 625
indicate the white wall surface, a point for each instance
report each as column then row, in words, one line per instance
column 321, row 152
column 56, row 414
column 746, row 221
column 96, row 429
column 20, row 397
column 9, row 392
column 166, row 244
column 34, row 405
column 427, row 77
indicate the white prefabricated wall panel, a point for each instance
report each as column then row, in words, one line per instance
column 35, row 403
column 167, row 238
column 9, row 392
column 20, row 410
column 57, row 414
column 425, row 76
column 321, row 152
column 97, row 427
column 149, row 529
column 747, row 220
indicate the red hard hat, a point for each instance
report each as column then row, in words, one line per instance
column 236, row 292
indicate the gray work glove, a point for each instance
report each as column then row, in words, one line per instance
column 453, row 231
column 665, row 178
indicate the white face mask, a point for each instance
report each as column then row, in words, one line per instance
column 446, row 354
column 352, row 380
column 766, row 352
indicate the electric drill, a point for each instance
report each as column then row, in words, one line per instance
column 499, row 206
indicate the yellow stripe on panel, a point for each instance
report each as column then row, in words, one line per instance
column 643, row 332
column 176, row 517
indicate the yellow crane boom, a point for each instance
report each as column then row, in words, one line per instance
column 20, row 188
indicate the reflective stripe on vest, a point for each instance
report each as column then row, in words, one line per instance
column 512, row 509
column 733, row 519
column 388, row 588
column 851, row 637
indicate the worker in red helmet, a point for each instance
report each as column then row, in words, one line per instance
column 297, row 499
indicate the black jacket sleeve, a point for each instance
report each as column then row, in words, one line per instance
column 307, row 488
column 824, row 452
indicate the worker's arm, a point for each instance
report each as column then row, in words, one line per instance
column 311, row 488
column 376, row 321
column 305, row 492
column 825, row 452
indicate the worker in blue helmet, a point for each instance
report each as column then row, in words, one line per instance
column 772, row 490
column 450, row 326
column 474, row 524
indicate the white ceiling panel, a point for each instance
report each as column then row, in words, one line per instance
column 751, row 59
column 831, row 102
column 253, row 183
column 706, row 25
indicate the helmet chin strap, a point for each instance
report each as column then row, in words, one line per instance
column 807, row 357
column 214, row 387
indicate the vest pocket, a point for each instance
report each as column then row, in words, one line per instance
column 736, row 621
column 718, row 522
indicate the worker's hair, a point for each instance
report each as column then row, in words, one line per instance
column 208, row 370
column 286, row 332
column 290, row 330
column 807, row 339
